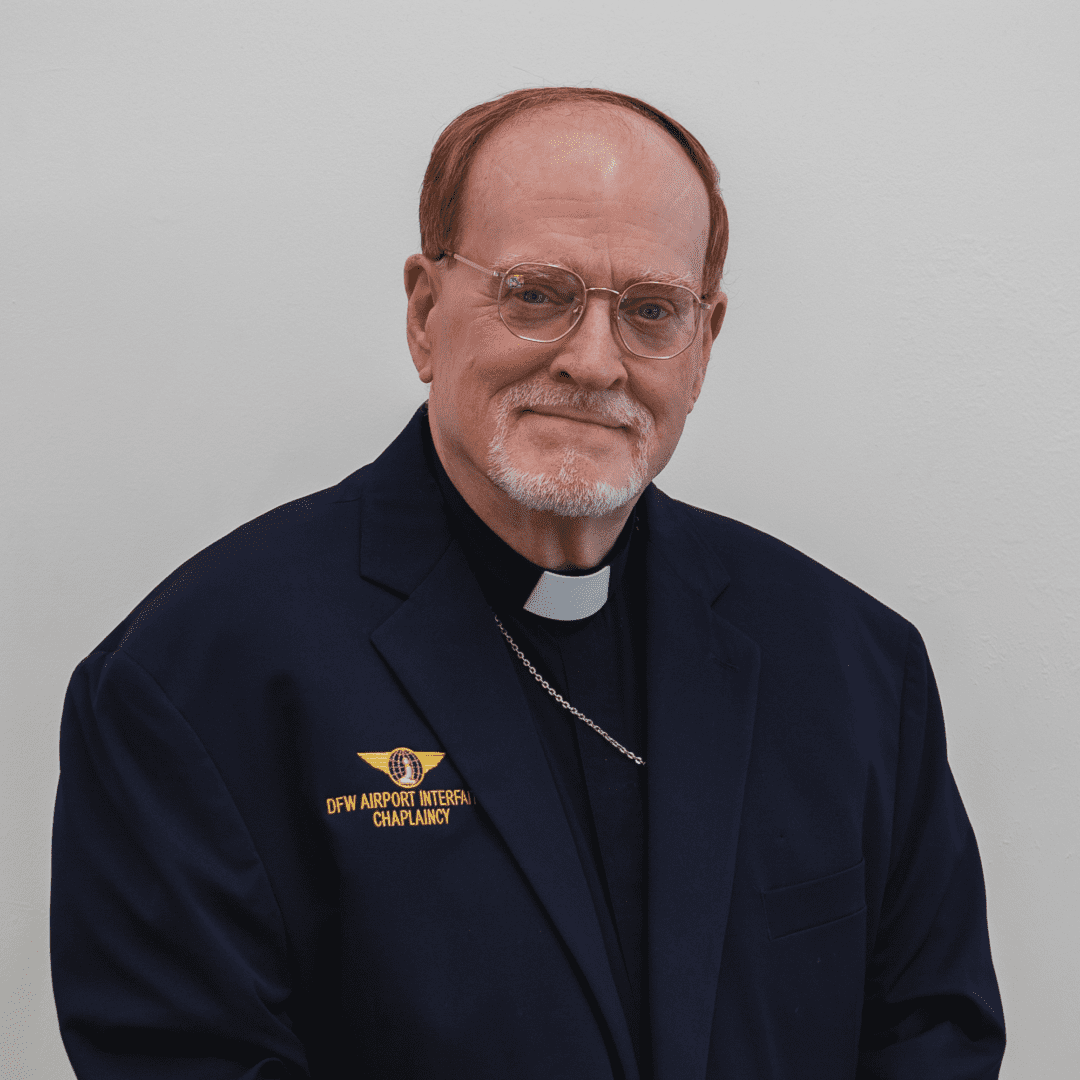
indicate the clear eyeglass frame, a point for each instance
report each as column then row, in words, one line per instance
column 699, row 304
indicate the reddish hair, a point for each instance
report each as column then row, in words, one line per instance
column 448, row 169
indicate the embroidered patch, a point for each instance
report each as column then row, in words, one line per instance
column 407, row 768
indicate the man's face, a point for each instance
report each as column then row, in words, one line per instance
column 578, row 426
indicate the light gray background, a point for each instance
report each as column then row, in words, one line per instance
column 206, row 209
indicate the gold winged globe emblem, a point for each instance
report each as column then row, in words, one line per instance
column 407, row 768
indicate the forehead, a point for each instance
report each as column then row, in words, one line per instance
column 598, row 185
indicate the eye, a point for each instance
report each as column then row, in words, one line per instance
column 647, row 309
column 532, row 296
column 650, row 312
column 538, row 287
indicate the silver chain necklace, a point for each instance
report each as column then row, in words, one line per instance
column 561, row 700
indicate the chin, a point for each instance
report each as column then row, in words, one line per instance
column 566, row 490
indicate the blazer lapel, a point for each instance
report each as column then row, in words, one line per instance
column 443, row 645
column 701, row 683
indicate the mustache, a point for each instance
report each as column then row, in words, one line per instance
column 612, row 406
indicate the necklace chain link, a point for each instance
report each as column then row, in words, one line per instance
column 561, row 700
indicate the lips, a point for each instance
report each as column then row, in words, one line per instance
column 595, row 420
column 613, row 409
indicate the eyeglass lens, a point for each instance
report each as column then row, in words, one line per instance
column 542, row 303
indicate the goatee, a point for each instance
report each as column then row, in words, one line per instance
column 566, row 491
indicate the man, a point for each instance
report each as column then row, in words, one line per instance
column 493, row 761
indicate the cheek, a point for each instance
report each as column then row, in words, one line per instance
column 480, row 359
column 477, row 360
column 459, row 372
column 669, row 397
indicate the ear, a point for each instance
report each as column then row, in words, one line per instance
column 422, row 289
column 709, row 332
column 716, row 316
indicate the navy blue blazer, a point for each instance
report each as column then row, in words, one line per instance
column 305, row 826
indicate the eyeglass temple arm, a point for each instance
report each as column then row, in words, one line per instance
column 475, row 266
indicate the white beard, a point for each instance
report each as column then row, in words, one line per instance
column 566, row 492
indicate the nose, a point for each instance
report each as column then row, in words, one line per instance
column 591, row 355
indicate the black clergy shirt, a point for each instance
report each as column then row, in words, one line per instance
column 597, row 664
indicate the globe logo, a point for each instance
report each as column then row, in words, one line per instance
column 405, row 768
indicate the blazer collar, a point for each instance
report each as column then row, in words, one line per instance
column 404, row 524
column 676, row 533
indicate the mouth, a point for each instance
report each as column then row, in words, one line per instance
column 568, row 414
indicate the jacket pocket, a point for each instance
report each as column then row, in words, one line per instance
column 814, row 903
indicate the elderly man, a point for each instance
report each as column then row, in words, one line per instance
column 495, row 762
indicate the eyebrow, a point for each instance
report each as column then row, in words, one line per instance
column 667, row 278
column 646, row 273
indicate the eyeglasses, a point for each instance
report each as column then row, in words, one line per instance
column 543, row 302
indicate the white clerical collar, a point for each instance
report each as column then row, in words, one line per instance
column 566, row 598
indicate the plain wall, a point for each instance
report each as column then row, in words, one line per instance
column 206, row 208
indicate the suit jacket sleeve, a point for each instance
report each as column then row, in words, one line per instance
column 932, row 1008
column 168, row 948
